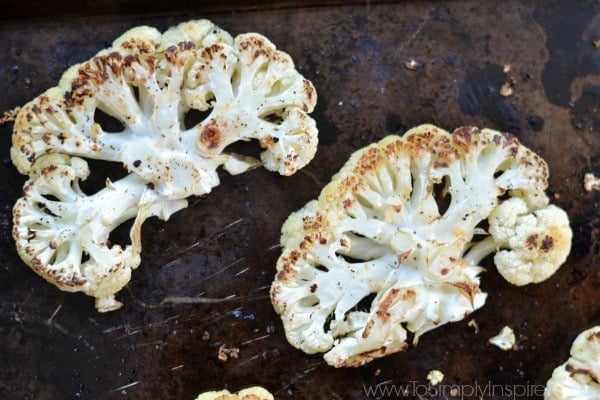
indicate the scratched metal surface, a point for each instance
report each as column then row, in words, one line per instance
column 224, row 246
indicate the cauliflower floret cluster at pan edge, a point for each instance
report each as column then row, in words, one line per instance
column 579, row 377
column 148, row 81
column 394, row 243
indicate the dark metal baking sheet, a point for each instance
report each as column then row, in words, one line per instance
column 225, row 245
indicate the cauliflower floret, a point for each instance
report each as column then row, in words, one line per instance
column 148, row 82
column 381, row 253
column 579, row 377
column 535, row 243
column 252, row 393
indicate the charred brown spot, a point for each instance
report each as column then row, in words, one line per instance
column 466, row 288
column 209, row 52
column 288, row 264
column 210, row 136
column 128, row 44
column 445, row 271
column 49, row 170
column 131, row 59
column 312, row 223
column 370, row 161
column 36, row 265
column 171, row 54
column 547, row 244
column 367, row 330
column 594, row 336
column 145, row 47
column 187, row 45
column 466, row 133
column 113, row 61
column 347, row 203
column 404, row 256
column 531, row 241
column 367, row 356
column 74, row 280
column 269, row 141
column 309, row 90
column 322, row 241
column 313, row 287
column 47, row 138
column 383, row 311
column 582, row 371
column 137, row 163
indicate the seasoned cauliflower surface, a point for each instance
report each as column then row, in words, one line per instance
column 129, row 104
column 252, row 393
column 393, row 244
column 579, row 377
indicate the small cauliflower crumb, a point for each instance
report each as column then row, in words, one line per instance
column 412, row 64
column 506, row 90
column 591, row 182
column 505, row 340
column 473, row 324
column 225, row 353
column 434, row 377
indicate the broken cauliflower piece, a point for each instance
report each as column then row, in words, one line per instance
column 579, row 377
column 435, row 377
column 505, row 340
column 128, row 104
column 591, row 182
column 386, row 248
column 252, row 393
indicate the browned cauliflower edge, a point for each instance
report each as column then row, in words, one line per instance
column 579, row 377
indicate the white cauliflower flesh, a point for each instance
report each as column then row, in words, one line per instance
column 389, row 245
column 579, row 377
column 148, row 82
